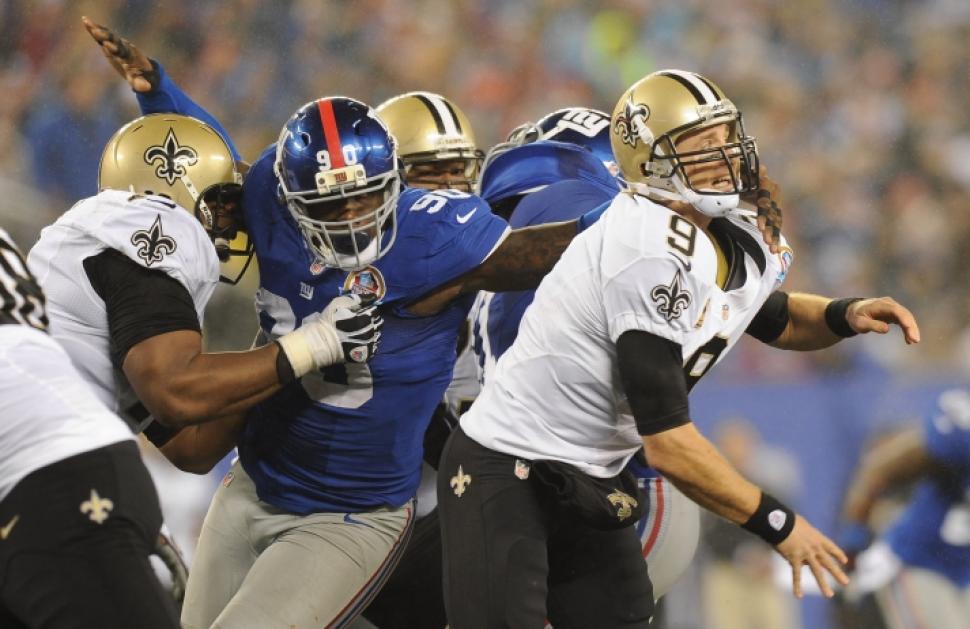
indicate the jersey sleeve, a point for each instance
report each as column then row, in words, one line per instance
column 141, row 303
column 948, row 431
column 654, row 294
column 464, row 232
column 156, row 234
column 169, row 98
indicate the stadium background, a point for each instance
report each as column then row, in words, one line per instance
column 859, row 108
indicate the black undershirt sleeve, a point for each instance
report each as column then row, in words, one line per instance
column 772, row 319
column 141, row 303
column 652, row 373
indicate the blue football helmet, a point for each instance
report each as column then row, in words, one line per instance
column 330, row 154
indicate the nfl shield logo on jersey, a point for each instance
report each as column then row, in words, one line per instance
column 522, row 469
column 359, row 354
column 366, row 282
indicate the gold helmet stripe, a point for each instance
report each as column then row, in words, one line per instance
column 699, row 89
column 444, row 116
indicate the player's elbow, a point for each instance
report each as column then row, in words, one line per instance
column 176, row 411
column 187, row 460
column 665, row 451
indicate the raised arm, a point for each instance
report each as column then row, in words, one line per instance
column 155, row 91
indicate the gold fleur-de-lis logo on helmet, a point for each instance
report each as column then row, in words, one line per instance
column 97, row 507
column 625, row 504
column 174, row 158
column 629, row 124
column 460, row 481
column 672, row 298
column 153, row 245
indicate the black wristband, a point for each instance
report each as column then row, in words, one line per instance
column 772, row 521
column 835, row 316
column 284, row 370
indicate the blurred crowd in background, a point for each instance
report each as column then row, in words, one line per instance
column 859, row 107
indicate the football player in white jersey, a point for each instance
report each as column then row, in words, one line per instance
column 128, row 274
column 78, row 510
column 534, row 509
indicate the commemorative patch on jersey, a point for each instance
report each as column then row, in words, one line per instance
column 367, row 281
column 786, row 256
column 672, row 298
column 152, row 243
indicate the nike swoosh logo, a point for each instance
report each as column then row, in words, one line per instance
column 463, row 218
column 5, row 531
column 686, row 263
column 350, row 520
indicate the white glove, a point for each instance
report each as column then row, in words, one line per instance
column 347, row 330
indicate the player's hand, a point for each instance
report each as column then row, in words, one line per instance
column 171, row 556
column 358, row 324
column 347, row 331
column 767, row 200
column 132, row 64
column 806, row 546
column 877, row 315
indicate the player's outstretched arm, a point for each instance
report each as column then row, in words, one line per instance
column 519, row 263
column 651, row 371
column 815, row 322
column 695, row 466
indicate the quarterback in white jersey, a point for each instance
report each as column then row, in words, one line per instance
column 641, row 267
column 78, row 510
column 536, row 510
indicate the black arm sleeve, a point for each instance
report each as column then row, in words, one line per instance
column 652, row 372
column 141, row 303
column 772, row 319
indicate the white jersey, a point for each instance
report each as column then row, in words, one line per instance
column 47, row 412
column 151, row 231
column 465, row 380
column 556, row 393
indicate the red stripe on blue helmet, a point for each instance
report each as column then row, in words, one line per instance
column 329, row 121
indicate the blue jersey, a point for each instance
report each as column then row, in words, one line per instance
column 572, row 181
column 350, row 438
column 934, row 530
column 532, row 166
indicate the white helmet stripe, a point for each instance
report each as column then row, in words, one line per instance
column 700, row 87
column 444, row 114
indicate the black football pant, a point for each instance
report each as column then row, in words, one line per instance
column 513, row 560
column 412, row 598
column 76, row 554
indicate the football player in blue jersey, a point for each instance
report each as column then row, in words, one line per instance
column 919, row 570
column 312, row 519
column 437, row 145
